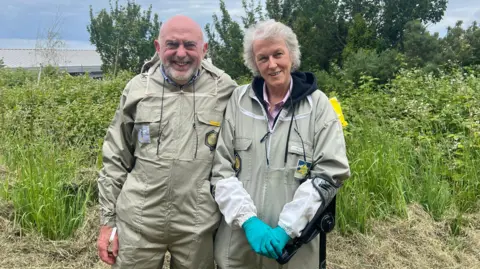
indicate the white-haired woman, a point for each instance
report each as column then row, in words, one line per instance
column 279, row 133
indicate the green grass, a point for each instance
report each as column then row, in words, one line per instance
column 415, row 140
column 389, row 172
column 380, row 165
column 41, row 189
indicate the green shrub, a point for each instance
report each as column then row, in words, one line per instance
column 413, row 139
column 381, row 66
column 50, row 132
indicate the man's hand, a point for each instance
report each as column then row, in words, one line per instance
column 103, row 243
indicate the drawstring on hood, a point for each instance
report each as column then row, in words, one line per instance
column 289, row 129
column 195, row 121
column 154, row 63
column 160, row 129
column 304, row 84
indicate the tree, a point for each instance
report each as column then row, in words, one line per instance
column 369, row 9
column 420, row 47
column 473, row 37
column 396, row 14
column 49, row 45
column 330, row 31
column 462, row 46
column 281, row 10
column 321, row 32
column 2, row 64
column 360, row 36
column 124, row 36
column 389, row 17
column 225, row 39
column 253, row 13
column 381, row 66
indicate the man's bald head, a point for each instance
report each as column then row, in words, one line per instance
column 181, row 23
column 181, row 48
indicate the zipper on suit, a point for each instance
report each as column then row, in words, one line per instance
column 268, row 134
column 270, row 131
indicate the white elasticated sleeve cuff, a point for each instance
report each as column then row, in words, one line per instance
column 234, row 202
column 301, row 210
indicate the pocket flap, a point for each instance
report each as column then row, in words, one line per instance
column 297, row 148
column 242, row 143
column 210, row 118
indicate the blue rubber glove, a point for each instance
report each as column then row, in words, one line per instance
column 281, row 239
column 256, row 231
column 268, row 245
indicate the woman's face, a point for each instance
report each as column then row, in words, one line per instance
column 273, row 62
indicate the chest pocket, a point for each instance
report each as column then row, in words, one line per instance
column 208, row 130
column 298, row 165
column 243, row 158
column 150, row 133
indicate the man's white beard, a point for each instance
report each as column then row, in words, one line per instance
column 177, row 76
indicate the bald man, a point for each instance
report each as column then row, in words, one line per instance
column 154, row 187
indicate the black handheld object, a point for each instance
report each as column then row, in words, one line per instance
column 322, row 223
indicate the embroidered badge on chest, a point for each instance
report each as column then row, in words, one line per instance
column 144, row 134
column 211, row 140
column 303, row 169
column 238, row 164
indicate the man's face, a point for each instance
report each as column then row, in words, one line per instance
column 181, row 50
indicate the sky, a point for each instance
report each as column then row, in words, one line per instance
column 23, row 21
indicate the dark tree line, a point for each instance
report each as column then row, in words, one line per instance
column 362, row 37
column 358, row 37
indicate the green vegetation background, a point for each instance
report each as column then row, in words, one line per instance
column 415, row 139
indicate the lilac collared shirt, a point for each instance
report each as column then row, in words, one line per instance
column 272, row 112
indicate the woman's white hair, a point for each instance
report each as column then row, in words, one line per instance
column 265, row 30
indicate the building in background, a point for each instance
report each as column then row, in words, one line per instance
column 75, row 62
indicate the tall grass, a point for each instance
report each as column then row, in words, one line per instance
column 41, row 186
column 381, row 165
column 418, row 140
column 415, row 140
column 389, row 172
column 431, row 186
column 44, row 150
column 466, row 178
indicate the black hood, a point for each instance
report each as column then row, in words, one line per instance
column 304, row 83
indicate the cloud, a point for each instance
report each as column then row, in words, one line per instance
column 457, row 10
column 25, row 18
column 19, row 43
column 22, row 19
column 476, row 15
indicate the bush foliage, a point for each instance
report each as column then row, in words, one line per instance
column 413, row 139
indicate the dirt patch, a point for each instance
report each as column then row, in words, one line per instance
column 26, row 250
column 416, row 242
